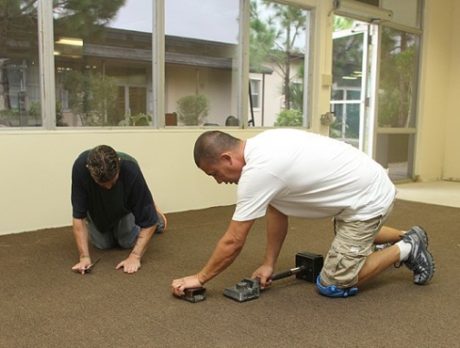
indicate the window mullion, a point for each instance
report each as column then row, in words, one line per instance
column 158, row 64
column 243, row 71
column 46, row 49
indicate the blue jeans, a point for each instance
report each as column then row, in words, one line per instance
column 124, row 234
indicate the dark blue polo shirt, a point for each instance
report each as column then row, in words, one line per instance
column 130, row 194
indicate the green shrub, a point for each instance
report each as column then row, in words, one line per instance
column 192, row 109
column 289, row 118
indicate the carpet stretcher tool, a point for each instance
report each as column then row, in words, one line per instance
column 308, row 267
column 89, row 268
column 194, row 294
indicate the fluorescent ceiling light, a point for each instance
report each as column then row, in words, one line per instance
column 70, row 41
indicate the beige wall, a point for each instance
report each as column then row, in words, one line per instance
column 437, row 141
column 36, row 173
column 452, row 145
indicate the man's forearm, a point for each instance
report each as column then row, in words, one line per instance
column 277, row 224
column 223, row 256
column 226, row 251
column 143, row 240
column 80, row 233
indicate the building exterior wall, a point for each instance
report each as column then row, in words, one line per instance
column 215, row 84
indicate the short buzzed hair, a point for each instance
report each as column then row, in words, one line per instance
column 211, row 144
column 103, row 163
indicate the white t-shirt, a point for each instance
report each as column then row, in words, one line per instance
column 311, row 176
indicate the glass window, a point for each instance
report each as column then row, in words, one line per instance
column 278, row 46
column 354, row 94
column 201, row 62
column 395, row 153
column 352, row 123
column 337, row 94
column 398, row 79
column 255, row 93
column 370, row 2
column 103, row 63
column 103, row 58
column 337, row 129
column 405, row 12
column 347, row 122
column 19, row 65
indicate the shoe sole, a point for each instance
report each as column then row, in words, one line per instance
column 433, row 269
column 424, row 237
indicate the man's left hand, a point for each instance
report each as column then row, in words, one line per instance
column 131, row 264
column 263, row 273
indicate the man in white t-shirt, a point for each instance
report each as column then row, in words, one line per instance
column 286, row 172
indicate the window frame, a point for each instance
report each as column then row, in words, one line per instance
column 48, row 97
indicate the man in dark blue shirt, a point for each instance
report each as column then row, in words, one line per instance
column 112, row 206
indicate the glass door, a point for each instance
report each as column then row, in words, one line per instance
column 396, row 122
column 374, row 95
column 352, row 79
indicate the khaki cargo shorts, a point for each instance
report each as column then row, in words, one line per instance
column 352, row 244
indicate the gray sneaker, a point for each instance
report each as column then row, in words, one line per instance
column 420, row 232
column 420, row 261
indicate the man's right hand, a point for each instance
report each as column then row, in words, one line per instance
column 81, row 267
column 178, row 286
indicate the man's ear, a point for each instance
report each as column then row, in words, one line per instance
column 226, row 157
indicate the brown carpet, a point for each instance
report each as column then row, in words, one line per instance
column 44, row 304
